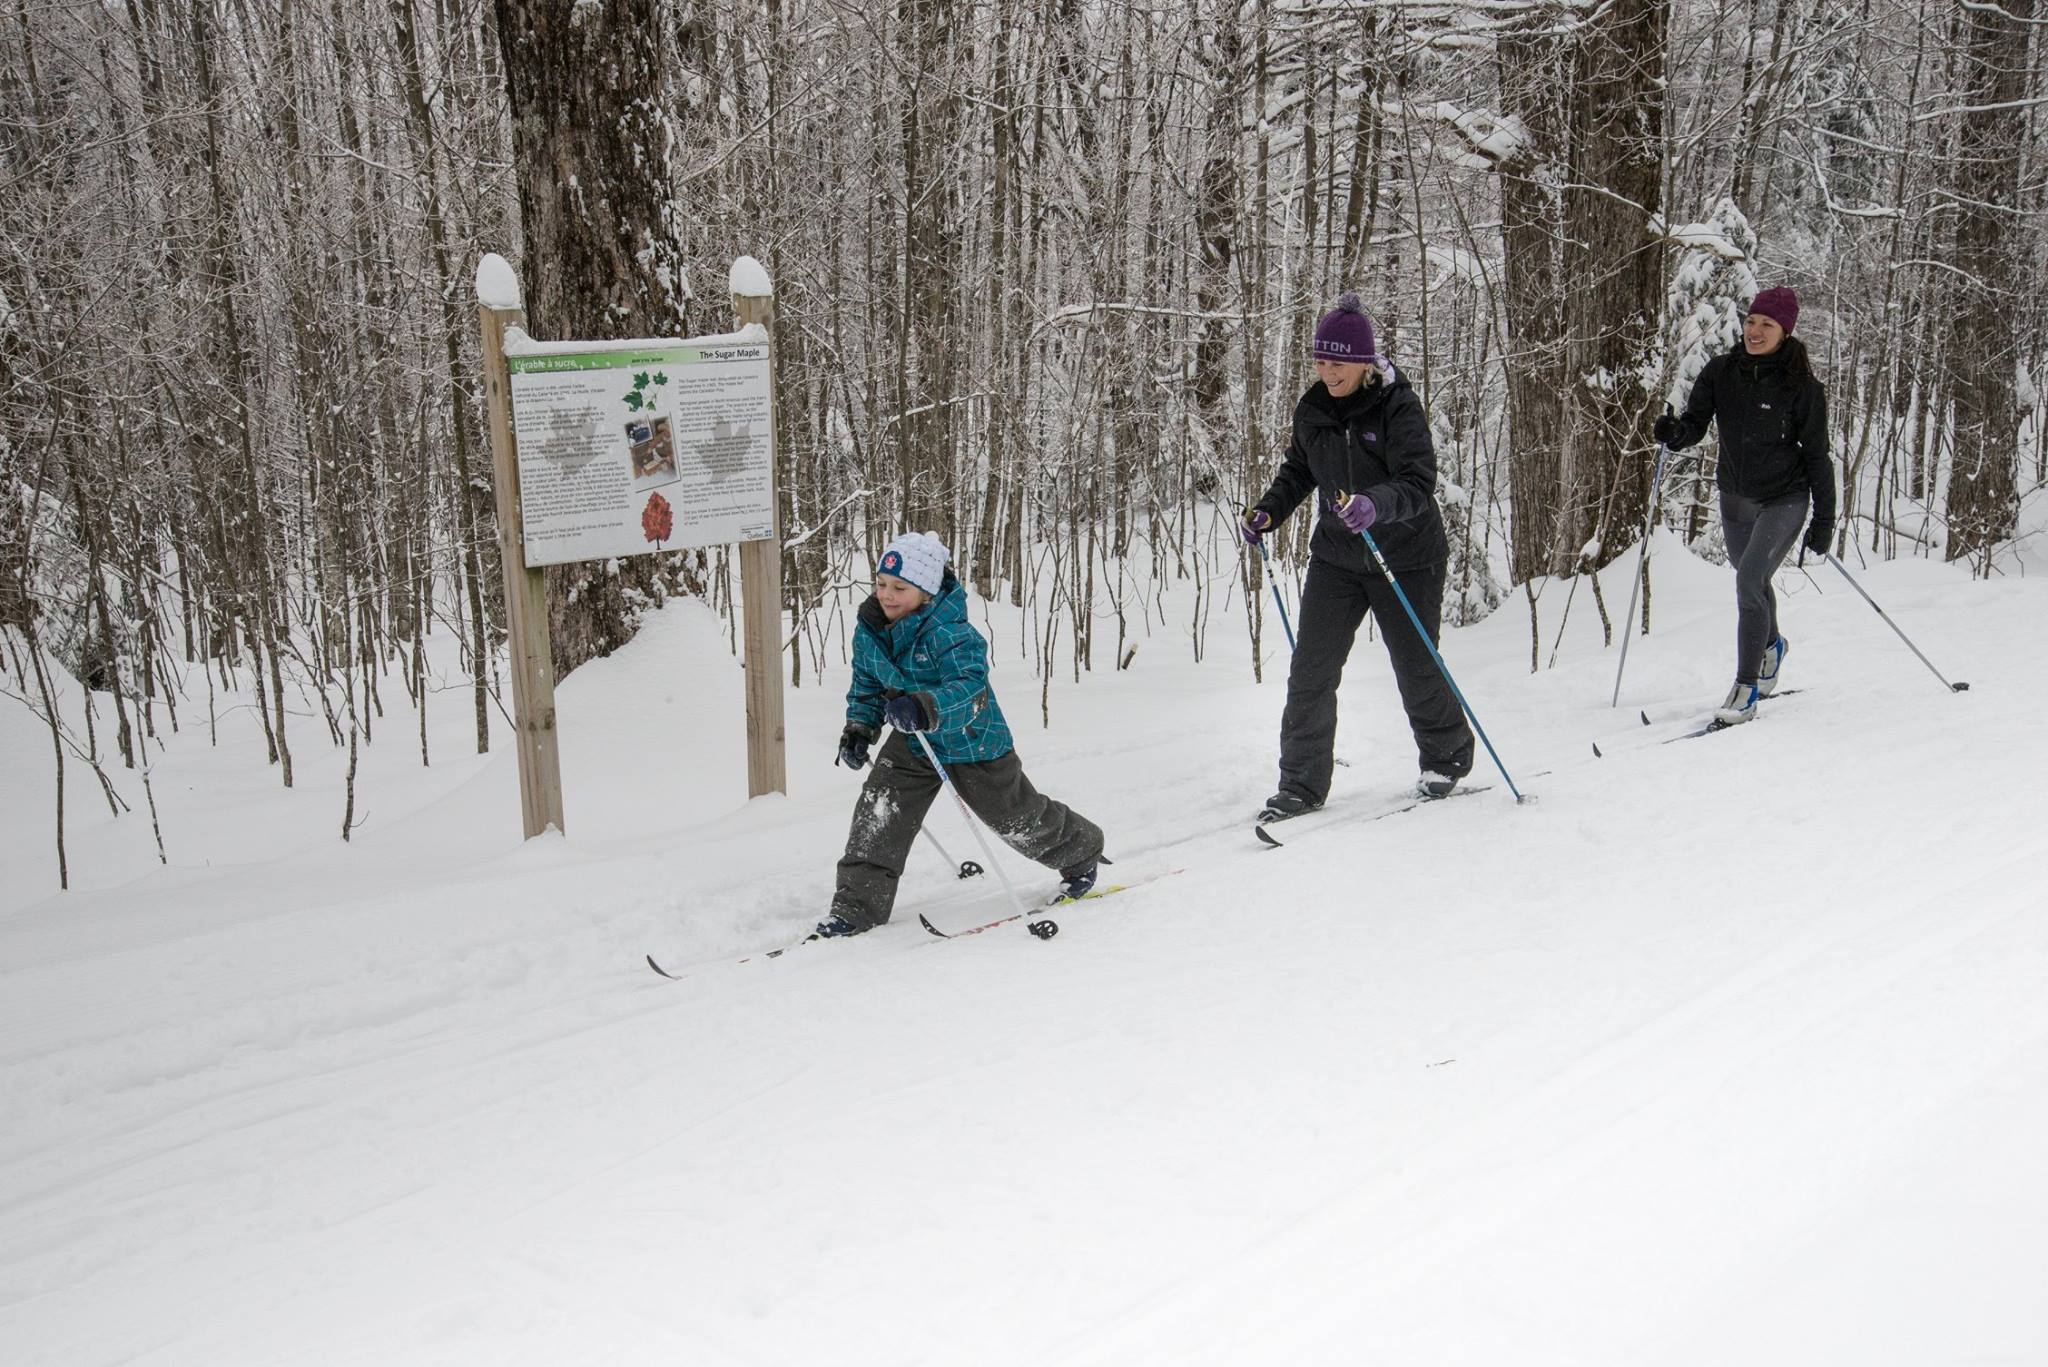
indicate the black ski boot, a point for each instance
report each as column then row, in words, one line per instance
column 834, row 927
column 1432, row 784
column 1283, row 805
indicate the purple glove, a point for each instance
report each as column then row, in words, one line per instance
column 1255, row 524
column 1356, row 512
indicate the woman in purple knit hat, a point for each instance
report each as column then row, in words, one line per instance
column 1772, row 414
column 1361, row 444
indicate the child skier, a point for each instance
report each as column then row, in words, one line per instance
column 920, row 665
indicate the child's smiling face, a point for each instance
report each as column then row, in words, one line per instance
column 898, row 597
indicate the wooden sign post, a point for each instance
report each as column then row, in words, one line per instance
column 633, row 445
column 526, row 590
column 761, row 585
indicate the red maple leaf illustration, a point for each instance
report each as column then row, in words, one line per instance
column 657, row 519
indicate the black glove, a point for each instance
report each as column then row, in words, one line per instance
column 1665, row 429
column 1820, row 536
column 853, row 745
column 911, row 712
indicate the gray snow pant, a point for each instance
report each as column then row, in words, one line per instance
column 899, row 792
column 1334, row 602
column 1759, row 537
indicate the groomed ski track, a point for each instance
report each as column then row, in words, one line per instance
column 1721, row 1052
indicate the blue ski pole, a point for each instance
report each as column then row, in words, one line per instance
column 1400, row 593
column 1044, row 927
column 1278, row 602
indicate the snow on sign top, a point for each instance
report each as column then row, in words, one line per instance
column 750, row 279
column 497, row 284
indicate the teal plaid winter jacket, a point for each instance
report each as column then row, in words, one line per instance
column 937, row 652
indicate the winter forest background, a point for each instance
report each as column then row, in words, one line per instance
column 1045, row 275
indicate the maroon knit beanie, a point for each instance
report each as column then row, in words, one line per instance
column 1345, row 333
column 1779, row 304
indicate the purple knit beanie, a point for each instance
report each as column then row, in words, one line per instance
column 1779, row 304
column 1345, row 333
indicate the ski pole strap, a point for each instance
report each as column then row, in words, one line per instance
column 1278, row 602
column 1444, row 669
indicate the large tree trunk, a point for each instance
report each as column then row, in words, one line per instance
column 926, row 386
column 1534, row 81
column 1983, row 500
column 604, row 252
column 1614, row 271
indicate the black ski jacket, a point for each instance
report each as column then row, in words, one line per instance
column 1375, row 443
column 1774, row 428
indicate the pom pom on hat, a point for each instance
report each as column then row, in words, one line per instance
column 1345, row 333
column 916, row 558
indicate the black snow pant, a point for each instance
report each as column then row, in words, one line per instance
column 1759, row 537
column 1334, row 602
column 899, row 792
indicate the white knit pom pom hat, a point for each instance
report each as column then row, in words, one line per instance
column 916, row 558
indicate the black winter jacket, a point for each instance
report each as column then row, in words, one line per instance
column 1375, row 443
column 1774, row 428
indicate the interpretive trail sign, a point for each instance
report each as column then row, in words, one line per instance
column 605, row 449
column 625, row 451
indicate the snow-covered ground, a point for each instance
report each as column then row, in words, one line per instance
column 1729, row 1050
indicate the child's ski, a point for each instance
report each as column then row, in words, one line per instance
column 1057, row 900
column 1060, row 899
column 775, row 953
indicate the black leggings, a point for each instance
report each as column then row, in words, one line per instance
column 1759, row 537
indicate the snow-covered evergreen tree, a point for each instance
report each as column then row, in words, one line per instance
column 1711, row 286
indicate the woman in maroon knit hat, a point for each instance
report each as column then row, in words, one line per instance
column 1361, row 443
column 1772, row 415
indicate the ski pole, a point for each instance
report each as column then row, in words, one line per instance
column 1628, row 623
column 968, row 868
column 1434, row 654
column 1278, row 602
column 1952, row 687
column 1045, row 927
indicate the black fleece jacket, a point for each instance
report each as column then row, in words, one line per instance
column 1774, row 428
column 1373, row 442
